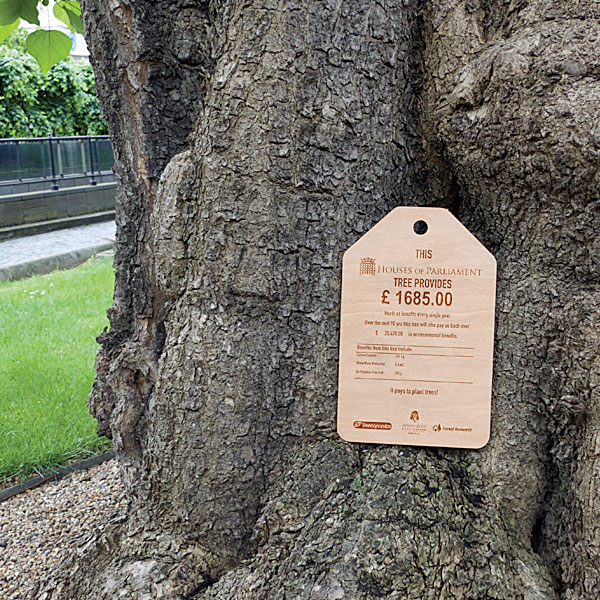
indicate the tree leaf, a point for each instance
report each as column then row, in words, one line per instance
column 6, row 30
column 29, row 11
column 11, row 10
column 48, row 47
column 69, row 12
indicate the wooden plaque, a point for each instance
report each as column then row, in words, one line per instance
column 417, row 333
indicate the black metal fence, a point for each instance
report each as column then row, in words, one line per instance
column 54, row 159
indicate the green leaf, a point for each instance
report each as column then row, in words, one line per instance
column 11, row 10
column 48, row 47
column 69, row 12
column 29, row 11
column 6, row 30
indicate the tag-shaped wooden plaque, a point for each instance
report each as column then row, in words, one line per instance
column 417, row 333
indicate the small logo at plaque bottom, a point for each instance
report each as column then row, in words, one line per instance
column 372, row 425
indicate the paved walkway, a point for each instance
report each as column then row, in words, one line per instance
column 43, row 245
column 46, row 251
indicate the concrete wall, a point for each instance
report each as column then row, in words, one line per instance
column 21, row 214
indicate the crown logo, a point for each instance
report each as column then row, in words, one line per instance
column 367, row 266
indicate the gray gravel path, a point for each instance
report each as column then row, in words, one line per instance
column 43, row 245
column 39, row 528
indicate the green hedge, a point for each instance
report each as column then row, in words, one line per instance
column 62, row 102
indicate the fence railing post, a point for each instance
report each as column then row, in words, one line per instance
column 18, row 155
column 92, row 170
column 54, row 185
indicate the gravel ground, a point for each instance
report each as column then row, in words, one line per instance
column 38, row 528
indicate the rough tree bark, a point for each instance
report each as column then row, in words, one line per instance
column 255, row 142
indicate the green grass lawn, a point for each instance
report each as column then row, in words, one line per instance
column 48, row 329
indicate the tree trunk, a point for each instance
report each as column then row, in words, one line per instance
column 255, row 142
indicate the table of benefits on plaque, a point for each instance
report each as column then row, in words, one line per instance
column 410, row 338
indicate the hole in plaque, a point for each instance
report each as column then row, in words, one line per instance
column 420, row 227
